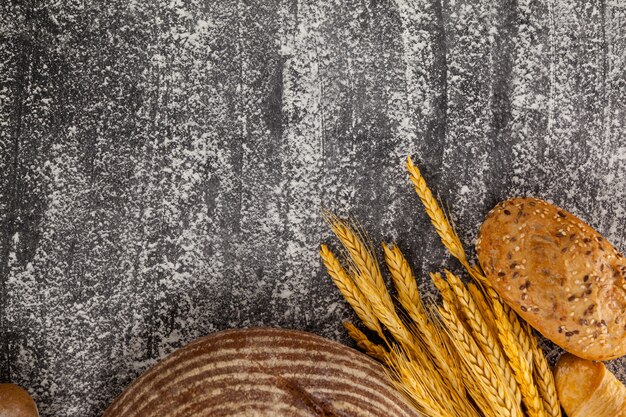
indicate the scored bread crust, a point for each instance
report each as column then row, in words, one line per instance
column 559, row 274
column 263, row 372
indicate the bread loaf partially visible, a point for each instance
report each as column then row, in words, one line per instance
column 262, row 373
column 559, row 274
column 16, row 402
column 588, row 389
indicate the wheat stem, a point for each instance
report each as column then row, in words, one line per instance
column 499, row 402
column 522, row 369
column 483, row 336
column 372, row 349
column 362, row 256
column 350, row 291
column 408, row 295
column 544, row 379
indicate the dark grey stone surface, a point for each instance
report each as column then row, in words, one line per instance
column 163, row 163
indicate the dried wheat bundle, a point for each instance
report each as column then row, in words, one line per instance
column 470, row 356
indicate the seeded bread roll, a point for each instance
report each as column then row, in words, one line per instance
column 559, row 274
column 588, row 389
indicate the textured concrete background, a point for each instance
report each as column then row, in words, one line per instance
column 163, row 163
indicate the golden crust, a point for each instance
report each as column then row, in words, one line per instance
column 587, row 389
column 15, row 402
column 559, row 274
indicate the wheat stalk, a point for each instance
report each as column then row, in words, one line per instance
column 405, row 283
column 410, row 380
column 437, row 216
column 408, row 295
column 451, row 241
column 498, row 400
column 365, row 273
column 350, row 291
column 361, row 340
column 520, row 332
column 522, row 369
column 362, row 257
column 477, row 344
column 483, row 306
column 484, row 337
column 545, row 380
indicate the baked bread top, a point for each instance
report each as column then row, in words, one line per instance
column 263, row 372
column 559, row 274
column 16, row 402
column 588, row 389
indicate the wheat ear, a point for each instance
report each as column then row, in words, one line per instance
column 408, row 295
column 405, row 283
column 483, row 306
column 522, row 369
column 498, row 400
column 350, row 291
column 521, row 332
column 438, row 218
column 362, row 256
column 409, row 378
column 365, row 273
column 486, row 340
column 545, row 380
column 444, row 289
column 436, row 214
column 369, row 347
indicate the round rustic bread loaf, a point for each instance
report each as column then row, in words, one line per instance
column 262, row 372
column 15, row 402
column 559, row 274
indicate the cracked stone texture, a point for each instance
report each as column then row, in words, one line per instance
column 163, row 163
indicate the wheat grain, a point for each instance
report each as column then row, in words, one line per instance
column 484, row 337
column 408, row 295
column 369, row 347
column 522, row 369
column 436, row 214
column 498, row 400
column 350, row 291
column 483, row 306
column 405, row 283
column 362, row 257
column 446, row 292
column 418, row 387
column 544, row 379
